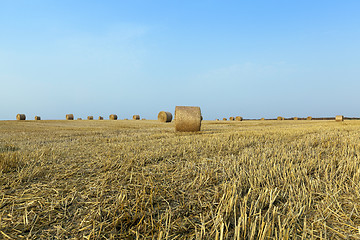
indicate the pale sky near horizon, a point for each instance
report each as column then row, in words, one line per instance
column 232, row 58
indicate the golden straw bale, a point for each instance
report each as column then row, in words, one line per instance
column 339, row 118
column 164, row 116
column 238, row 118
column 126, row 119
column 101, row 118
column 37, row 118
column 280, row 118
column 296, row 118
column 20, row 117
column 79, row 119
column 69, row 117
column 217, row 119
column 231, row 118
column 113, row 117
column 188, row 119
column 90, row 118
column 136, row 117
column 309, row 118
column 224, row 119
column 262, row 119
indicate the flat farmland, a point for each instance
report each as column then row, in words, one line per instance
column 142, row 180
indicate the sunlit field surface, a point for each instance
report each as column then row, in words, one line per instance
column 141, row 180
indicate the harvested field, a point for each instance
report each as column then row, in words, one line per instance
column 141, row 179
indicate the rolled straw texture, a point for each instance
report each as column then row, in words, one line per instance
column 113, row 117
column 164, row 116
column 20, row 117
column 188, row 119
column 101, row 118
column 37, row 118
column 90, row 118
column 238, row 118
column 339, row 118
column 136, row 117
column 69, row 117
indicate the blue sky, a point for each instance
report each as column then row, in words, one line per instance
column 248, row 58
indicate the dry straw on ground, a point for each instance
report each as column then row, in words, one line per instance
column 101, row 118
column 69, row 117
column 238, row 118
column 188, row 119
column 309, row 118
column 37, row 118
column 136, row 117
column 164, row 116
column 20, row 117
column 113, row 117
column 339, row 118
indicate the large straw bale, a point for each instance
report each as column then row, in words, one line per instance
column 20, row 117
column 69, row 117
column 280, row 118
column 339, row 118
column 296, row 118
column 136, row 117
column 262, row 119
column 113, row 117
column 90, row 118
column 37, row 118
column 224, row 119
column 164, row 116
column 217, row 119
column 231, row 118
column 238, row 118
column 309, row 118
column 101, row 118
column 188, row 119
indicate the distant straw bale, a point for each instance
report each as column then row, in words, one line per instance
column 69, row 117
column 280, row 118
column 126, row 119
column 238, row 118
column 262, row 119
column 164, row 116
column 21, row 117
column 296, row 118
column 231, row 118
column 113, row 117
column 217, row 119
column 309, row 118
column 90, row 118
column 143, row 119
column 339, row 118
column 101, row 118
column 37, row 118
column 79, row 119
column 224, row 119
column 188, row 119
column 136, row 117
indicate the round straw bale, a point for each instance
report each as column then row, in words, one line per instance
column 136, row 117
column 231, row 118
column 339, row 118
column 20, row 117
column 113, row 117
column 164, row 116
column 79, row 119
column 126, row 119
column 90, row 118
column 262, row 119
column 309, row 118
column 188, row 119
column 37, row 118
column 238, row 118
column 296, row 118
column 101, row 118
column 217, row 119
column 69, row 117
column 224, row 119
column 280, row 118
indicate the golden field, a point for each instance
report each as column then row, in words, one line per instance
column 141, row 180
